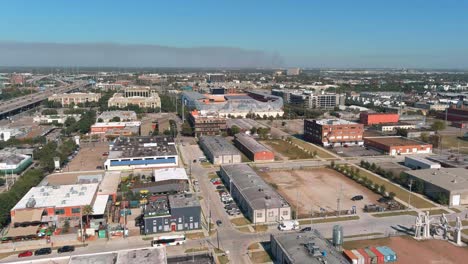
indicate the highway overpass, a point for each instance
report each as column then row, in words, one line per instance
column 17, row 105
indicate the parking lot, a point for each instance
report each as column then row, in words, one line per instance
column 355, row 151
column 318, row 188
column 89, row 157
column 230, row 206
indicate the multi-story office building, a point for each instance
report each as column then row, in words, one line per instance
column 207, row 124
column 215, row 77
column 333, row 132
column 293, row 71
column 308, row 99
column 75, row 98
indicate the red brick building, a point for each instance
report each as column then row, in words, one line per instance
column 367, row 118
column 455, row 113
column 254, row 150
column 333, row 132
column 397, row 145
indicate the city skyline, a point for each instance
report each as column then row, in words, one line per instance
column 420, row 34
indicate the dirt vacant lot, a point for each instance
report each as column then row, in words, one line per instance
column 89, row 157
column 318, row 188
column 410, row 251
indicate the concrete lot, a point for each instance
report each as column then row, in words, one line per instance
column 89, row 157
column 319, row 188
column 355, row 151
column 294, row 126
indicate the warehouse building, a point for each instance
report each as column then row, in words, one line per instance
column 368, row 119
column 391, row 127
column 450, row 182
column 306, row 247
column 219, row 151
column 13, row 163
column 116, row 129
column 418, row 163
column 259, row 202
column 129, row 153
column 397, row 145
column 169, row 180
column 333, row 132
column 253, row 149
column 53, row 204
column 172, row 213
column 244, row 124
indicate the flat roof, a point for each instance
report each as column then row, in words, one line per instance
column 255, row 190
column 110, row 183
column 100, row 204
column 251, row 144
column 127, row 147
column 421, row 159
column 8, row 158
column 170, row 174
column 218, row 145
column 118, row 124
column 244, row 123
column 58, row 196
column 183, row 200
column 142, row 256
column 334, row 121
column 451, row 179
column 297, row 247
column 395, row 141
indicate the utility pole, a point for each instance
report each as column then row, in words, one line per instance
column 297, row 205
column 409, row 195
column 338, row 201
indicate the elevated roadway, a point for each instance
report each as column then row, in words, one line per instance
column 23, row 103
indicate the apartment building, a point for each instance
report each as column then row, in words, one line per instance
column 333, row 132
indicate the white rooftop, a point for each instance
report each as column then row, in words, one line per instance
column 118, row 124
column 170, row 174
column 58, row 196
column 335, row 121
column 99, row 206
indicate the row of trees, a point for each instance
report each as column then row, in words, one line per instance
column 45, row 154
column 83, row 125
column 354, row 174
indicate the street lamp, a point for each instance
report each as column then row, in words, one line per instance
column 409, row 195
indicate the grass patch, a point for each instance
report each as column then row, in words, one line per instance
column 260, row 257
column 196, row 235
column 254, row 246
column 455, row 210
column 218, row 251
column 192, row 250
column 223, row 259
column 401, row 193
column 292, row 152
column 438, row 212
column 241, row 221
column 335, row 219
column 260, row 228
column 205, row 165
column 389, row 214
column 305, row 222
column 452, row 141
column 465, row 231
column 244, row 229
column 212, row 175
column 311, row 147
column 364, row 235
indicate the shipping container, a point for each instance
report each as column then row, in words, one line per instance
column 364, row 254
column 372, row 256
column 392, row 254
column 360, row 257
column 350, row 256
column 387, row 255
column 380, row 256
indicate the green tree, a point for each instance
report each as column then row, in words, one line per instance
column 253, row 131
column 438, row 125
column 87, row 211
column 391, row 195
column 100, row 120
column 66, row 226
column 234, row 130
column 382, row 189
column 69, row 121
column 115, row 119
column 187, row 129
column 424, row 137
column 49, row 112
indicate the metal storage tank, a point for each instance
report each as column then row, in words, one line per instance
column 350, row 256
column 380, row 256
column 360, row 257
column 364, row 255
column 337, row 235
column 372, row 256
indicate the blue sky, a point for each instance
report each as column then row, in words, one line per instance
column 346, row 33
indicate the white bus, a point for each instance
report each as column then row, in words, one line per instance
column 168, row 240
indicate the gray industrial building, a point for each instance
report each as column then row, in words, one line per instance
column 307, row 247
column 259, row 202
column 451, row 182
column 419, row 163
column 219, row 151
column 171, row 213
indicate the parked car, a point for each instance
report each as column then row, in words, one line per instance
column 25, row 254
column 42, row 251
column 217, row 183
column 65, row 249
column 105, row 154
column 219, row 222
column 220, row 187
column 357, row 198
column 98, row 167
column 306, row 229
